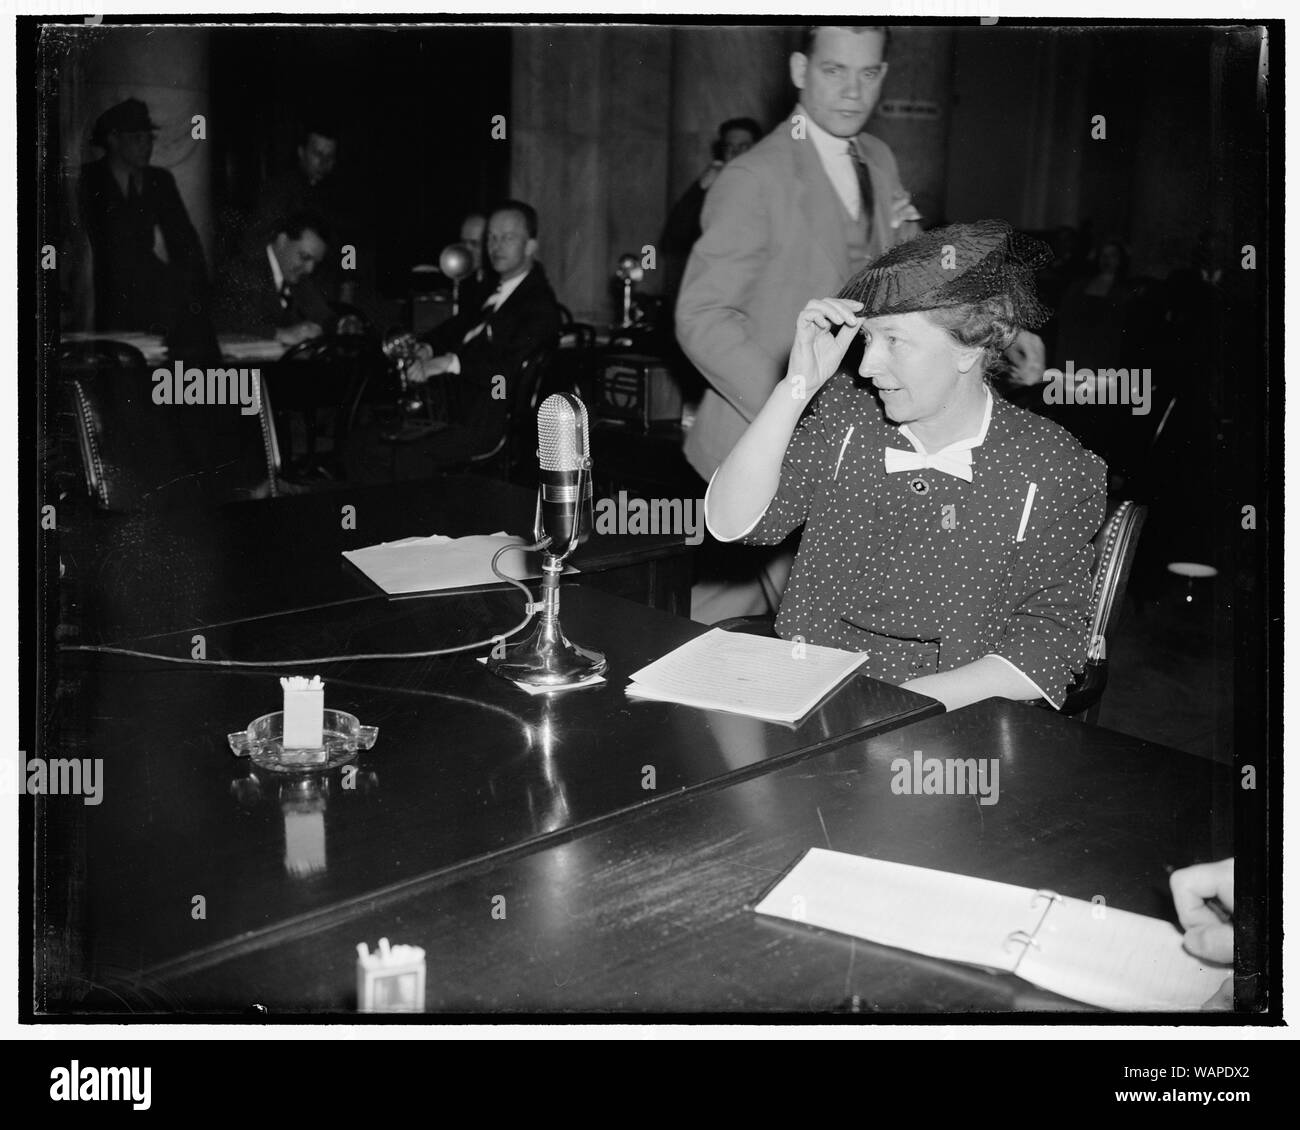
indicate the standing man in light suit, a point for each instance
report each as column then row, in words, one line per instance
column 796, row 216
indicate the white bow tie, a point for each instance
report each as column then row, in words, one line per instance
column 950, row 462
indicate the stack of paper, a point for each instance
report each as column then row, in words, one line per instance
column 437, row 563
column 774, row 679
column 245, row 347
column 153, row 347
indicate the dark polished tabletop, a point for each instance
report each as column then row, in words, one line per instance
column 651, row 913
column 467, row 767
column 134, row 575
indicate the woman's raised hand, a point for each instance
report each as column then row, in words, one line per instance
column 823, row 332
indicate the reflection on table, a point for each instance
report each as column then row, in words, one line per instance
column 467, row 768
column 652, row 913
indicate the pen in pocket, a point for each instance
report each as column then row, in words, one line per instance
column 843, row 448
column 1029, row 505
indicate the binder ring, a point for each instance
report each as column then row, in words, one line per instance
column 1025, row 939
column 1051, row 896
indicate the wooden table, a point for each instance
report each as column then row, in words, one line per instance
column 650, row 913
column 628, row 838
column 239, row 348
column 468, row 769
column 130, row 576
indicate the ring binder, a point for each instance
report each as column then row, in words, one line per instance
column 1023, row 937
column 1129, row 962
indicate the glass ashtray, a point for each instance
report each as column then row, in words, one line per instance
column 342, row 737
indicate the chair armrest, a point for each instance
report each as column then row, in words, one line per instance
column 1085, row 692
column 750, row 625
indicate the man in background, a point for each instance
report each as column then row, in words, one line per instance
column 491, row 341
column 312, row 184
column 472, row 228
column 735, row 136
column 791, row 219
column 150, row 273
column 480, row 282
column 266, row 291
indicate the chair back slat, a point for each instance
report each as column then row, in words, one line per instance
column 1115, row 547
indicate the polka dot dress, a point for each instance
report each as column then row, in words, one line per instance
column 924, row 571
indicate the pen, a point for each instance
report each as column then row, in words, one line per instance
column 1029, row 505
column 843, row 448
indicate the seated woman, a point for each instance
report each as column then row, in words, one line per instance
column 947, row 533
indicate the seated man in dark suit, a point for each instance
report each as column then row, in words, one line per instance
column 263, row 292
column 149, row 269
column 267, row 292
column 313, row 184
column 480, row 351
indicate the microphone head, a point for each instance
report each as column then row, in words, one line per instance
column 562, row 440
column 456, row 261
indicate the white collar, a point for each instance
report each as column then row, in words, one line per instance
column 122, row 174
column 829, row 147
column 960, row 444
column 276, row 273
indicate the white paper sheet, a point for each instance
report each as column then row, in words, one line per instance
column 437, row 563
column 765, row 678
column 239, row 347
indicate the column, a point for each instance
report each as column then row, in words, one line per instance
column 167, row 69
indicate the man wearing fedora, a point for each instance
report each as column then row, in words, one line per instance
column 149, row 269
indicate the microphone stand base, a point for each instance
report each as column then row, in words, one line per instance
column 547, row 659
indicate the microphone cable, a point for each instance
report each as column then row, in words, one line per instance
column 530, row 610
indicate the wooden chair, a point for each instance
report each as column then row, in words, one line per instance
column 518, row 438
column 332, row 372
column 583, row 335
column 65, row 453
column 1114, row 547
column 573, row 368
column 136, row 453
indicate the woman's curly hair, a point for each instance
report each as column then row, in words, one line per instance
column 988, row 325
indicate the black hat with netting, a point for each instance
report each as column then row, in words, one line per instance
column 955, row 266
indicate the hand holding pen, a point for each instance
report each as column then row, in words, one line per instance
column 1203, row 897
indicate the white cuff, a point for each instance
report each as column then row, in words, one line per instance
column 743, row 533
column 1041, row 693
column 454, row 365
